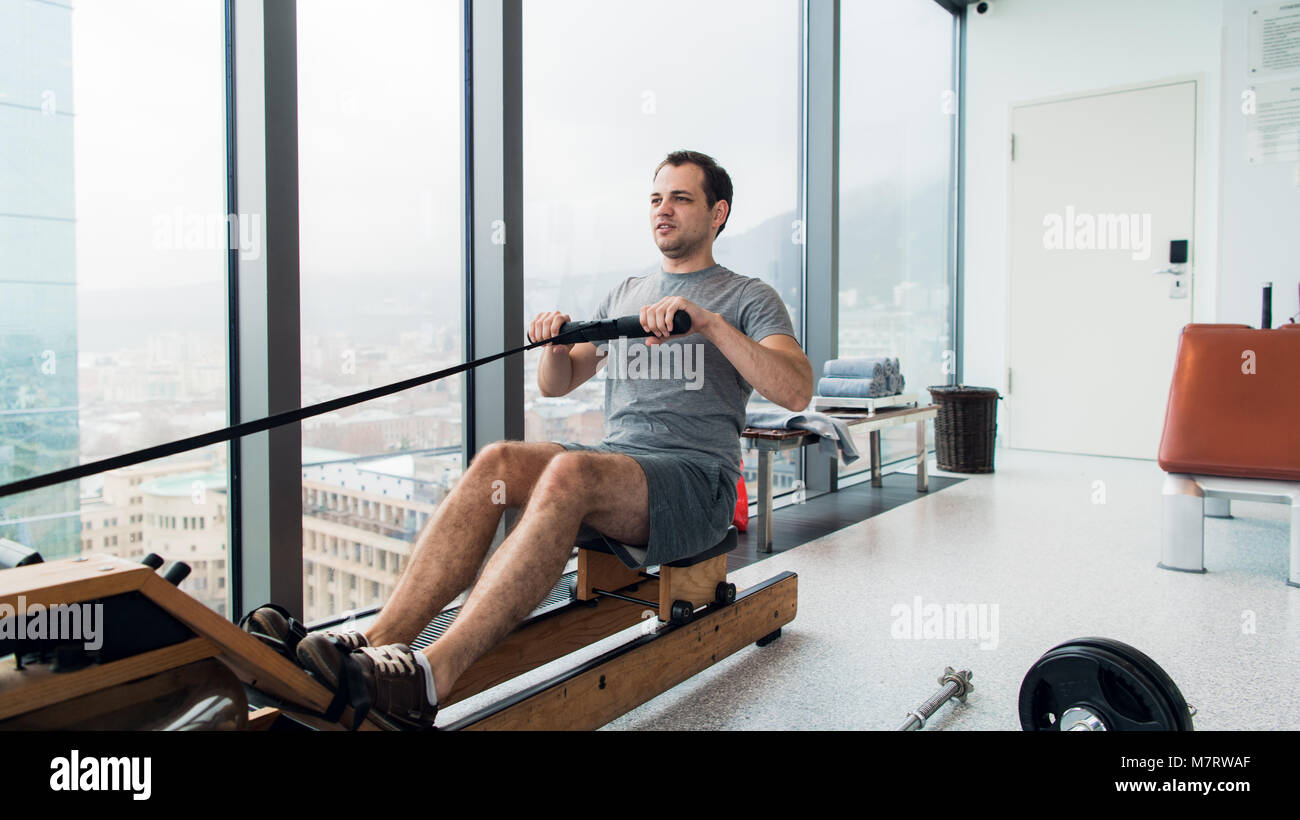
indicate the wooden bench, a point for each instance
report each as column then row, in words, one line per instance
column 768, row 441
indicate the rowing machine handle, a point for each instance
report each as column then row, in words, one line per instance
column 625, row 327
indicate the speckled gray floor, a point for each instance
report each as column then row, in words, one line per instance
column 1032, row 549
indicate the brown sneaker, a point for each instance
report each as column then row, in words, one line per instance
column 321, row 652
column 275, row 627
column 396, row 685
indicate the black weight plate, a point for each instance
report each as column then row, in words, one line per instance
column 1120, row 692
column 1183, row 716
column 1101, row 681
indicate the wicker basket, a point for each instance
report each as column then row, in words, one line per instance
column 965, row 429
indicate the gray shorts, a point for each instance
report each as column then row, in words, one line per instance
column 691, row 503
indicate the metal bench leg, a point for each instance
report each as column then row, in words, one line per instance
column 1218, row 507
column 1294, row 578
column 765, row 500
column 875, row 459
column 922, row 475
column 1183, row 530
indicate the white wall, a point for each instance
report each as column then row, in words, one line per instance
column 1031, row 49
column 1260, row 214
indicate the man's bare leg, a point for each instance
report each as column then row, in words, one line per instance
column 451, row 547
column 607, row 490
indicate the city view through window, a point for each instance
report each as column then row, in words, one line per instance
column 112, row 277
column 380, row 214
column 114, row 241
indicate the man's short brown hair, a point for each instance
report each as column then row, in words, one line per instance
column 717, row 183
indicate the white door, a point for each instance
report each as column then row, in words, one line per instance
column 1100, row 186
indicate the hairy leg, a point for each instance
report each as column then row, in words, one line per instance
column 450, row 549
column 607, row 490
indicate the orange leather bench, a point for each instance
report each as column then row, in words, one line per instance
column 1232, row 430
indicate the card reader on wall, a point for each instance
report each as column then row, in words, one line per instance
column 1178, row 252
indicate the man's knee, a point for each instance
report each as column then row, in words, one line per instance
column 568, row 478
column 513, row 467
column 500, row 459
column 495, row 455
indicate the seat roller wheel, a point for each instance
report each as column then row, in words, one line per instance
column 725, row 593
column 681, row 612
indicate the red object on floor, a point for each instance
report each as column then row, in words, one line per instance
column 1232, row 403
column 742, row 506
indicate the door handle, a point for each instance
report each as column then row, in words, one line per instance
column 1175, row 271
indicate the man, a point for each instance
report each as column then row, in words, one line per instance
column 663, row 480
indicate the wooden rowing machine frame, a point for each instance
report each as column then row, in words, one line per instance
column 608, row 598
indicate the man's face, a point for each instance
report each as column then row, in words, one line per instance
column 680, row 218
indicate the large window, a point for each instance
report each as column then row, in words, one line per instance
column 898, row 110
column 113, row 247
column 648, row 79
column 381, row 263
column 115, row 239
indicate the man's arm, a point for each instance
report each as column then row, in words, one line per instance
column 563, row 367
column 562, row 371
column 776, row 366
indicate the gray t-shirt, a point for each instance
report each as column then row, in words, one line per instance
column 685, row 396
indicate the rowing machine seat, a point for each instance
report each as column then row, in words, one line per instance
column 681, row 586
column 591, row 539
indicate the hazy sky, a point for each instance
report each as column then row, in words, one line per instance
column 149, row 132
column 609, row 87
column 379, row 138
column 895, row 65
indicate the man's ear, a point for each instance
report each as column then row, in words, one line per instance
column 722, row 207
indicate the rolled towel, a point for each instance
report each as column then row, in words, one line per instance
column 861, row 368
column 851, row 388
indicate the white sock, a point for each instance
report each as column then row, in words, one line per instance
column 429, row 688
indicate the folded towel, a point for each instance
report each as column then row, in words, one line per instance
column 872, row 368
column 835, row 436
column 853, row 388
